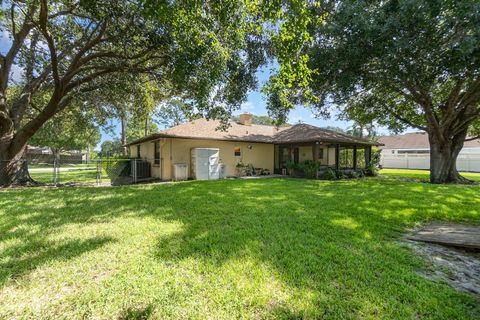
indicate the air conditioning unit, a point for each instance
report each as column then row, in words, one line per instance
column 180, row 171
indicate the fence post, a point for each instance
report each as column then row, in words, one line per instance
column 55, row 171
column 134, row 170
column 97, row 176
column 58, row 171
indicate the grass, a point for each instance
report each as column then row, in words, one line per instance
column 268, row 248
column 423, row 175
column 77, row 176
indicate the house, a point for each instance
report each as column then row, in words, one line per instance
column 412, row 151
column 264, row 147
column 36, row 154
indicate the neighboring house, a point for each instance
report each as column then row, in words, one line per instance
column 261, row 146
column 412, row 151
column 44, row 155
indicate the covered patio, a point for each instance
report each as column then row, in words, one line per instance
column 329, row 148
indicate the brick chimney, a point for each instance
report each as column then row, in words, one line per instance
column 246, row 119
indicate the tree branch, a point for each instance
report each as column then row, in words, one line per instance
column 88, row 46
column 17, row 41
column 472, row 138
column 12, row 18
column 50, row 41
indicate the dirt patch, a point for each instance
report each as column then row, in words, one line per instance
column 458, row 267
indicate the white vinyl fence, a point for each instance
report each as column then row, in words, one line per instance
column 465, row 161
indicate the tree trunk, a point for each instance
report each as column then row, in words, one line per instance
column 13, row 168
column 146, row 126
column 123, row 123
column 443, row 159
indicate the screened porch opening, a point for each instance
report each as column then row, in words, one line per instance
column 329, row 155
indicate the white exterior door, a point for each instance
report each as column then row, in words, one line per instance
column 203, row 164
column 206, row 163
column 214, row 166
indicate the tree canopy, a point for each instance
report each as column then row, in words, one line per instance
column 205, row 53
column 73, row 129
column 398, row 63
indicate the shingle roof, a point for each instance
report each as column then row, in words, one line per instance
column 307, row 133
column 208, row 129
column 416, row 140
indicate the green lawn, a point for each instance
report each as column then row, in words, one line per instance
column 78, row 175
column 420, row 174
column 267, row 248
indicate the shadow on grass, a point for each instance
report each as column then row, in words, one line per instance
column 337, row 238
column 139, row 313
column 23, row 258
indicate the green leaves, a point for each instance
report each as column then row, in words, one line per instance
column 382, row 61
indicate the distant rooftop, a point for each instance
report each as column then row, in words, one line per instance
column 415, row 140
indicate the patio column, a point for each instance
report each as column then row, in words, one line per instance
column 315, row 151
column 355, row 157
column 337, row 156
column 368, row 155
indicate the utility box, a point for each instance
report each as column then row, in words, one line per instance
column 180, row 171
column 205, row 163
column 223, row 171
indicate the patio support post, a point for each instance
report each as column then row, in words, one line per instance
column 368, row 155
column 337, row 156
column 355, row 157
column 315, row 151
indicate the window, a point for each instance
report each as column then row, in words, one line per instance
column 156, row 152
column 320, row 153
column 237, row 152
column 138, row 151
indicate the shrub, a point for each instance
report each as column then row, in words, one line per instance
column 341, row 175
column 310, row 168
column 361, row 173
column 330, row 174
column 292, row 167
column 372, row 169
column 352, row 174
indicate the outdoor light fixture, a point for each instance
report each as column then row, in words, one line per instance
column 250, row 147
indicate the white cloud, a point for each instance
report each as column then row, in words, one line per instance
column 17, row 73
column 296, row 119
column 247, row 106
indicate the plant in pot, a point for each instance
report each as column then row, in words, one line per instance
column 240, row 169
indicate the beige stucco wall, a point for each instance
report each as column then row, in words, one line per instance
column 172, row 150
column 331, row 156
column 147, row 152
column 306, row 153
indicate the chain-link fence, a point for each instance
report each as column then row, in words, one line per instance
column 68, row 172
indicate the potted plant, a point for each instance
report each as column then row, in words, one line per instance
column 240, row 169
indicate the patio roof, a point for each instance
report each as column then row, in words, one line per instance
column 307, row 133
